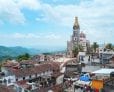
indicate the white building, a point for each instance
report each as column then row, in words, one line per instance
column 16, row 73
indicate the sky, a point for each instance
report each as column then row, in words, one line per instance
column 48, row 23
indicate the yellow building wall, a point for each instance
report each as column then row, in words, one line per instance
column 97, row 84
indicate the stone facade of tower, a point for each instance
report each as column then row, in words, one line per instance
column 77, row 38
column 76, row 32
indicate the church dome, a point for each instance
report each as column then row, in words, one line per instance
column 82, row 35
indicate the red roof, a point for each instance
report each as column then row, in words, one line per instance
column 55, row 65
column 4, row 88
column 30, row 71
column 24, row 84
column 55, row 88
column 10, row 64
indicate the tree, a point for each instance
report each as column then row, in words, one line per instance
column 5, row 58
column 81, row 48
column 95, row 46
column 47, row 53
column 25, row 56
column 113, row 47
column 0, row 66
column 109, row 46
column 77, row 49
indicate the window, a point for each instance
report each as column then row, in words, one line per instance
column 23, row 78
column 36, row 74
column 75, row 38
column 30, row 76
column 16, row 79
column 9, row 80
column 5, row 81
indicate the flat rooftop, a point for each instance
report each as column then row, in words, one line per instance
column 103, row 71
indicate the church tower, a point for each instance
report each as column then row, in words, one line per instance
column 76, row 32
column 77, row 39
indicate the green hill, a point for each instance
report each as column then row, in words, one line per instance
column 12, row 52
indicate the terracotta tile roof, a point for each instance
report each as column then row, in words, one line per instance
column 55, row 65
column 35, row 69
column 28, row 62
column 112, row 59
column 24, row 84
column 56, row 68
column 55, row 88
column 21, row 82
column 30, row 71
column 6, row 89
column 57, row 74
column 10, row 64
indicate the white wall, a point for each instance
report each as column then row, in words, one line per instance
column 11, row 78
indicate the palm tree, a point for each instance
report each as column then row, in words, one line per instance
column 109, row 46
column 77, row 49
column 81, row 48
column 95, row 46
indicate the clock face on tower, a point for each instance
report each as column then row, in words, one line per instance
column 75, row 38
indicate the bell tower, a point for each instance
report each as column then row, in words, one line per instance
column 76, row 32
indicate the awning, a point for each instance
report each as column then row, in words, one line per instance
column 85, row 78
column 79, row 82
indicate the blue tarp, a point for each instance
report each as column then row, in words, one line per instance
column 85, row 78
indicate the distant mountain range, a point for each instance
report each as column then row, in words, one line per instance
column 6, row 52
column 15, row 51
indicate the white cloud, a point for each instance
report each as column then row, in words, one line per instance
column 54, row 1
column 23, row 36
column 87, row 10
column 94, row 13
column 95, row 17
column 29, row 4
column 52, row 36
column 28, row 36
column 42, row 19
column 1, row 22
column 31, row 39
column 11, row 10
